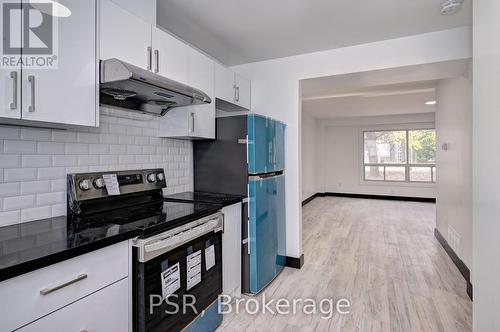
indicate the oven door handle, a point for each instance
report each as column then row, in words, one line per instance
column 179, row 239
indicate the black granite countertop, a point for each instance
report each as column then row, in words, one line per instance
column 33, row 245
column 205, row 197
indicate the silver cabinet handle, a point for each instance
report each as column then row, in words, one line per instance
column 157, row 61
column 234, row 92
column 150, row 58
column 31, row 79
column 192, row 115
column 238, row 93
column 46, row 291
column 13, row 75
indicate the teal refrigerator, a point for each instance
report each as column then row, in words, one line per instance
column 248, row 158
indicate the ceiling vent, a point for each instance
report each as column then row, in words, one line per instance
column 450, row 7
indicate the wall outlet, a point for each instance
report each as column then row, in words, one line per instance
column 454, row 239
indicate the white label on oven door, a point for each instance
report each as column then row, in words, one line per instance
column 112, row 185
column 170, row 280
column 210, row 257
column 193, row 269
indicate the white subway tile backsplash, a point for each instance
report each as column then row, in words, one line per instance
column 10, row 161
column 108, row 159
column 63, row 136
column 87, row 138
column 126, row 140
column 35, row 213
column 77, row 148
column 50, row 198
column 58, row 185
column 50, row 173
column 19, row 174
column 88, row 160
column 9, row 132
column 18, row 146
column 34, row 134
column 18, row 202
column 117, row 149
column 64, row 160
column 34, row 187
column 9, row 189
column 99, row 148
column 58, row 210
column 9, row 218
column 34, row 162
column 50, row 147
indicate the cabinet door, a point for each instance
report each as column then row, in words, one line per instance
column 170, row 56
column 124, row 36
column 231, row 246
column 67, row 94
column 104, row 311
column 224, row 84
column 10, row 105
column 202, row 76
column 243, row 92
column 197, row 121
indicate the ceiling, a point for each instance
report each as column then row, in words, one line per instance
column 402, row 90
column 242, row 31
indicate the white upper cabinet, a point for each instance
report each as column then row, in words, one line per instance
column 243, row 91
column 170, row 56
column 224, row 83
column 231, row 87
column 66, row 94
column 124, row 36
column 10, row 102
column 194, row 122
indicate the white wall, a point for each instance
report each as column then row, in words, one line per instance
column 309, row 155
column 454, row 182
column 486, row 161
column 275, row 92
column 340, row 155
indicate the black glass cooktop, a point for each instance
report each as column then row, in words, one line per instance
column 152, row 217
column 33, row 245
column 205, row 197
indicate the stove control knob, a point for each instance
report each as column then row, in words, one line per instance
column 152, row 177
column 84, row 184
column 160, row 177
column 99, row 183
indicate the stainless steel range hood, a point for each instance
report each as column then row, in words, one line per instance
column 127, row 86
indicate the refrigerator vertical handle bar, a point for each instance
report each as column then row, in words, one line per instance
column 247, row 148
column 248, row 219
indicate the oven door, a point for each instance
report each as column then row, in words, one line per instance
column 167, row 276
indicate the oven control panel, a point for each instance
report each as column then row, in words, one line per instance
column 87, row 186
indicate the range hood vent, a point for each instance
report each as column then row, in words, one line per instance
column 126, row 86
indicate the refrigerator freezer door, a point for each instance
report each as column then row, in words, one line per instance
column 266, row 220
column 266, row 145
column 259, row 145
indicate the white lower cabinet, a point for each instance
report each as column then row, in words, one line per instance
column 231, row 251
column 103, row 311
column 36, row 294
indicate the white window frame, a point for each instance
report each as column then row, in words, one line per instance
column 406, row 165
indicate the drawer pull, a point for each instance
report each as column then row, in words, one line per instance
column 46, row 291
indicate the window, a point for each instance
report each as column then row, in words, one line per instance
column 400, row 155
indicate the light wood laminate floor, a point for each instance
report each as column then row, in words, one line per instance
column 383, row 257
